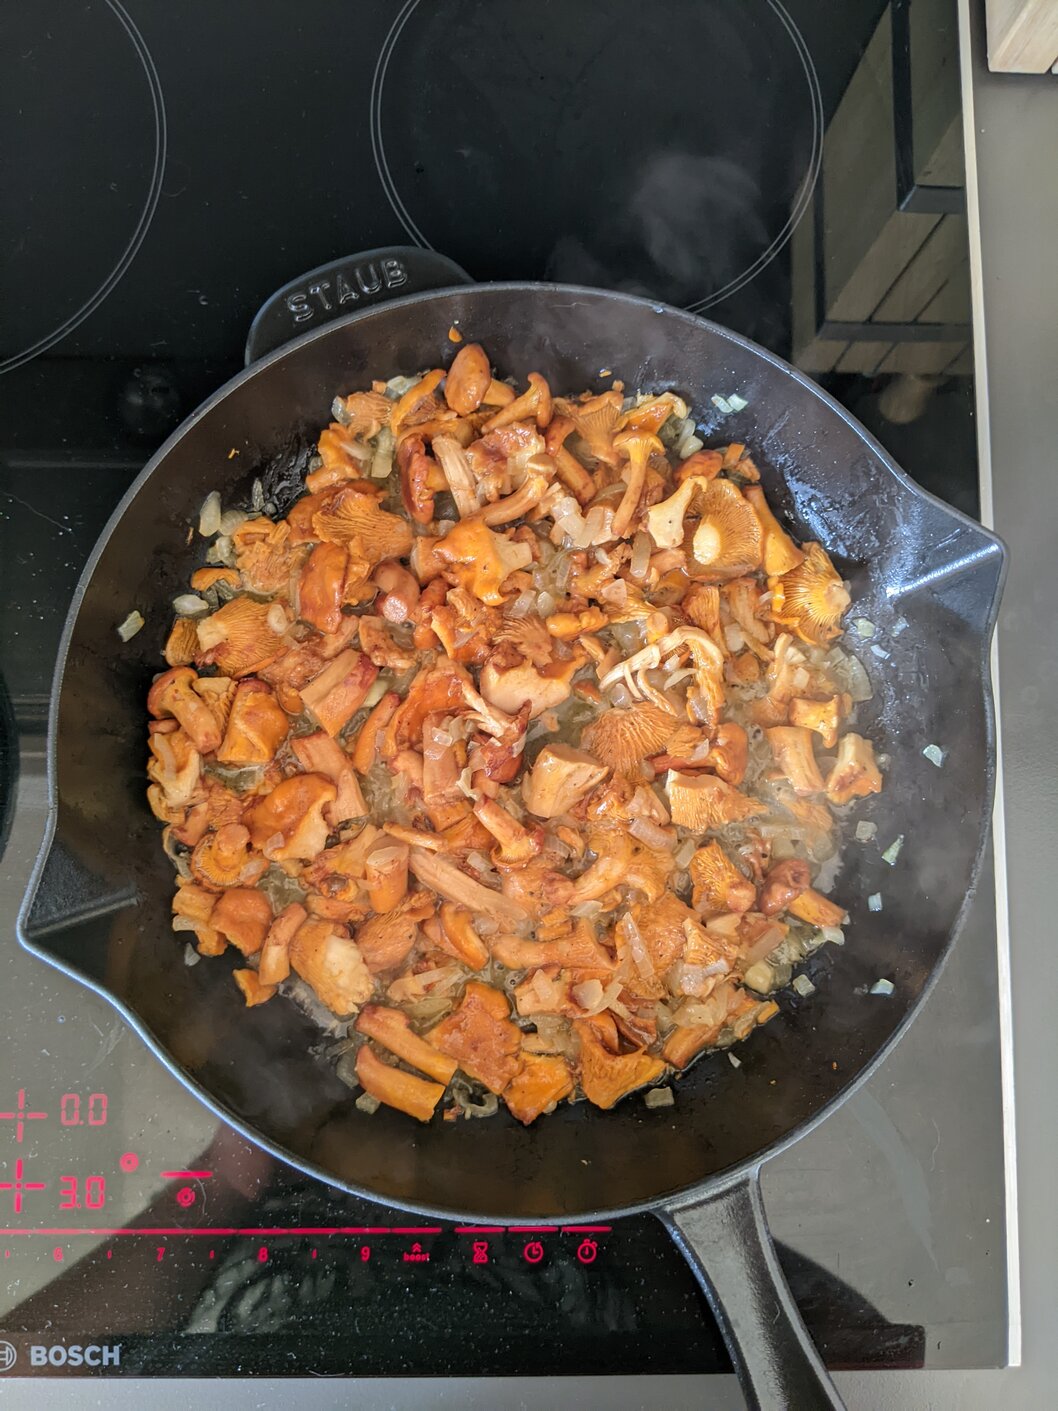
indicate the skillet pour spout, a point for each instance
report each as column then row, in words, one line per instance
column 928, row 579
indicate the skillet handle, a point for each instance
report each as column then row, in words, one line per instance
column 725, row 1239
column 345, row 286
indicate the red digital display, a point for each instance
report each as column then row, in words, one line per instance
column 87, row 1193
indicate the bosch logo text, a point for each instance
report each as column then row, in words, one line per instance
column 58, row 1355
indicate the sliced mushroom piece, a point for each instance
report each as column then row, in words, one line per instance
column 560, row 778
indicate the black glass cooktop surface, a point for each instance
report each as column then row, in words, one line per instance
column 164, row 172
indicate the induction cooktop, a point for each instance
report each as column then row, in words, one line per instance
column 789, row 170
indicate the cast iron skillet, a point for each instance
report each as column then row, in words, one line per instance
column 929, row 578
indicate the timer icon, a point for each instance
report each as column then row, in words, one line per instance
column 586, row 1251
column 533, row 1252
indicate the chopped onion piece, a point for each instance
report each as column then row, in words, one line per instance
column 257, row 497
column 588, row 995
column 641, row 550
column 737, row 403
column 379, row 687
column 760, row 977
column 277, row 619
column 487, row 1106
column 803, row 985
column 189, row 604
column 230, row 520
column 832, row 934
column 650, row 833
column 545, row 604
column 934, row 754
column 865, row 831
column 221, row 552
column 863, row 626
column 127, row 630
column 722, row 405
column 382, row 456
column 209, row 515
column 735, row 1062
column 586, row 908
column 892, row 852
column 659, row 1097
column 881, row 987
column 523, row 604
column 880, row 652
column 191, row 955
column 685, row 852
column 874, row 901
column 367, row 1103
column 598, row 521
column 900, row 625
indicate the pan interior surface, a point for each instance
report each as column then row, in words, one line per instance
column 922, row 575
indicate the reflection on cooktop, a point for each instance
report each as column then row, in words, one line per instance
column 666, row 150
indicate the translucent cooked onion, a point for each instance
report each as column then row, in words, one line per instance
column 686, row 851
column 133, row 623
column 382, row 457
column 209, row 515
column 522, row 605
column 232, row 520
column 641, row 551
column 221, row 553
column 430, row 1009
column 694, row 1013
column 599, row 521
column 651, row 834
column 552, row 1035
column 277, row 619
column 636, row 945
column 588, row 995
column 189, row 605
column 763, row 946
column 850, row 675
column 486, row 1106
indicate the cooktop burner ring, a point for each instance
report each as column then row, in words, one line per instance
column 776, row 240
column 146, row 213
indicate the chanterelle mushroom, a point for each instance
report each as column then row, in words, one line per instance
column 560, row 778
column 288, row 822
column 638, row 446
column 482, row 560
column 173, row 696
column 495, row 750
